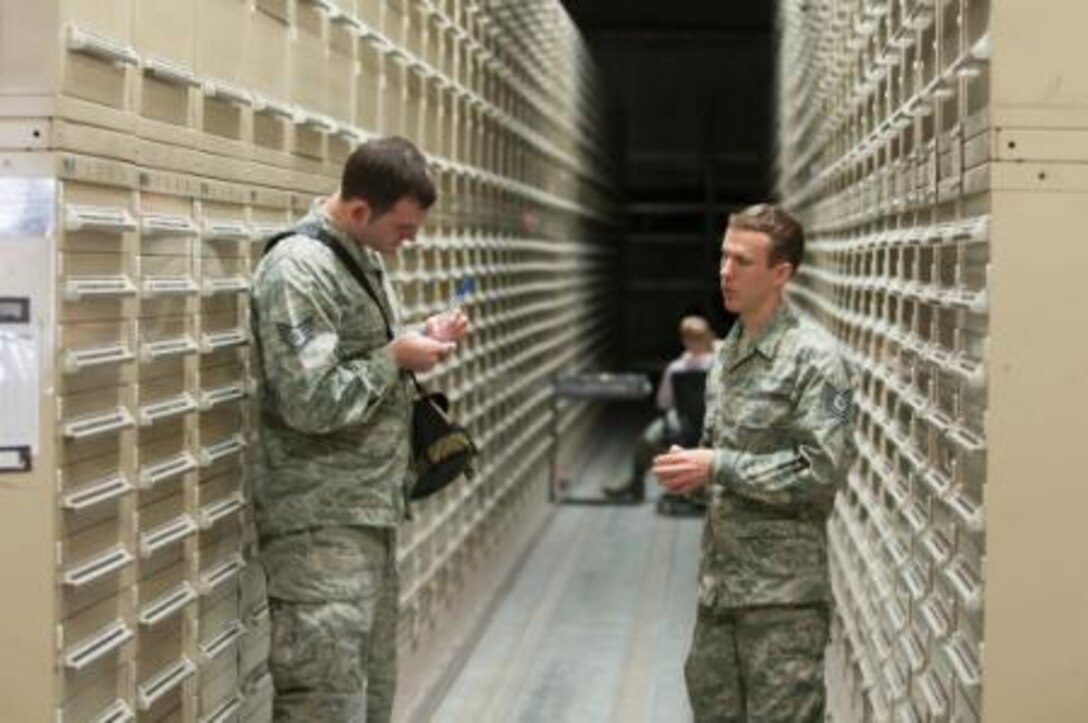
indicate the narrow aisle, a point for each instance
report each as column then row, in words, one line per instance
column 596, row 624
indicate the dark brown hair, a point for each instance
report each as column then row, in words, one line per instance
column 785, row 232
column 385, row 170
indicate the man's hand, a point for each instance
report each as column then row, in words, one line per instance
column 449, row 326
column 418, row 353
column 683, row 470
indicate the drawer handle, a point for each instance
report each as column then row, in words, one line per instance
column 154, row 350
column 328, row 7
column 915, row 518
column 119, row 712
column 166, row 535
column 937, row 546
column 915, row 582
column 226, row 92
column 222, row 641
column 209, row 516
column 97, row 218
column 153, row 474
column 936, row 700
column 969, row 511
column 258, row 616
column 215, row 341
column 213, row 453
column 81, row 41
column 936, row 617
column 318, row 123
column 220, row 395
column 92, row 426
column 916, row 659
column 963, row 661
column 97, row 492
column 168, row 286
column 280, row 110
column 98, row 286
column 218, row 575
column 226, row 712
column 225, row 285
column 76, row 360
column 966, row 440
column 175, row 406
column 966, row 584
column 98, row 567
column 225, row 230
column 99, row 645
column 167, row 605
column 163, row 682
column 262, row 231
column 167, row 224
column 169, row 72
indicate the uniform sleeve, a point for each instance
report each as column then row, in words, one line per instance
column 297, row 325
column 810, row 471
column 713, row 384
column 664, row 390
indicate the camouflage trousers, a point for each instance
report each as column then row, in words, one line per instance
column 757, row 665
column 333, row 601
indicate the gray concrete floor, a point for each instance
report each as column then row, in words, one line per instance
column 596, row 624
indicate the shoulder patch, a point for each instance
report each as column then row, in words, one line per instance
column 838, row 403
column 296, row 336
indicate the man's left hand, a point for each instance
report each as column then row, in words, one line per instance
column 449, row 326
column 681, row 471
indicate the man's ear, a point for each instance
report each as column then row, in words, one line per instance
column 783, row 272
column 359, row 211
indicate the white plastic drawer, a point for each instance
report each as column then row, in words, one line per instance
column 222, row 330
column 221, row 628
column 223, row 33
column 163, row 525
column 157, row 646
column 95, row 286
column 92, row 492
column 162, row 399
column 93, row 422
column 164, row 460
column 95, row 217
column 165, row 339
column 161, row 689
column 220, row 499
column 95, row 354
column 164, row 595
column 98, row 65
column 254, row 590
column 96, row 566
column 101, row 699
column 219, row 683
column 96, row 634
column 226, row 384
column 227, row 709
column 167, row 276
column 224, row 276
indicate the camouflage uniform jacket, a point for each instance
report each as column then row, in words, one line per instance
column 780, row 419
column 335, row 409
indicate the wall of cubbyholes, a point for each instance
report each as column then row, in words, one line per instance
column 155, row 144
column 901, row 132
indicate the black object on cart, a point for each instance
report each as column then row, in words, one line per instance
column 602, row 386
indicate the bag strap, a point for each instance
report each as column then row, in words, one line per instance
column 316, row 232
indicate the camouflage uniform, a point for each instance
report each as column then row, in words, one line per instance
column 333, row 463
column 780, row 419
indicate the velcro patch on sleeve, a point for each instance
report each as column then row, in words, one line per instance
column 298, row 335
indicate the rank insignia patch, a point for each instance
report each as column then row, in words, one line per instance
column 296, row 336
column 838, row 403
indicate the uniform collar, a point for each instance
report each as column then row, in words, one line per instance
column 367, row 258
column 769, row 339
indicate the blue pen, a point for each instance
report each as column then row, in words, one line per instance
column 462, row 290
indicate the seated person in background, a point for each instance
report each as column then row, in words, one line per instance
column 668, row 429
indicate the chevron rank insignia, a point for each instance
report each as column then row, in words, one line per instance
column 838, row 403
column 296, row 336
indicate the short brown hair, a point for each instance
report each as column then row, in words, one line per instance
column 385, row 170
column 785, row 232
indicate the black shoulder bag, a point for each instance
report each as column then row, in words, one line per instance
column 442, row 449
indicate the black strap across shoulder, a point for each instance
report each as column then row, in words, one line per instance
column 317, row 233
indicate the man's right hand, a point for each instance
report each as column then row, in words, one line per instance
column 418, row 353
